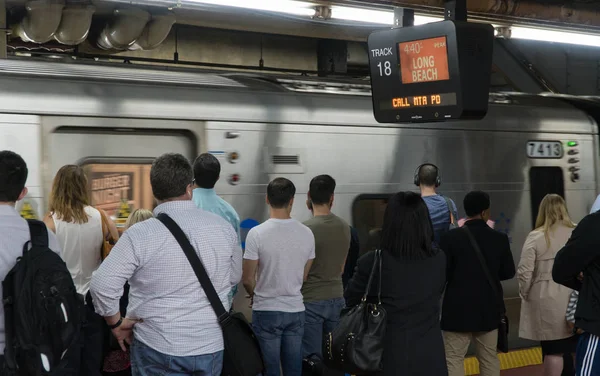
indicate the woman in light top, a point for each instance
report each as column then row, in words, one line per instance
column 79, row 230
column 544, row 302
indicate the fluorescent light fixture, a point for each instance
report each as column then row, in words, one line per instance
column 373, row 16
column 555, row 36
column 299, row 8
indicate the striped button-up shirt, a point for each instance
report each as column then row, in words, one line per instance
column 14, row 233
column 177, row 318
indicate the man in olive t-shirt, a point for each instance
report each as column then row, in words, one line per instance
column 323, row 291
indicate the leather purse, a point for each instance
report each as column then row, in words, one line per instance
column 107, row 239
column 355, row 346
column 503, row 323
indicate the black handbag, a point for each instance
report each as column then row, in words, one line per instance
column 503, row 324
column 242, row 355
column 356, row 345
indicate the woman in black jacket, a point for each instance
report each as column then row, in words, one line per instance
column 413, row 278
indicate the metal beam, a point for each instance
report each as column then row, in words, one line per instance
column 572, row 13
column 3, row 30
column 521, row 74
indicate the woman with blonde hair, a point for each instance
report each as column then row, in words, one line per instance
column 544, row 302
column 117, row 362
column 80, row 232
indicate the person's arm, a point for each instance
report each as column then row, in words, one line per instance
column 307, row 269
column 251, row 262
column 236, row 257
column 507, row 269
column 454, row 212
column 527, row 265
column 358, row 283
column 112, row 227
column 352, row 258
column 311, row 254
column 581, row 249
column 107, row 285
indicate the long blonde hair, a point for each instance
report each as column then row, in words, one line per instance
column 69, row 195
column 138, row 215
column 553, row 210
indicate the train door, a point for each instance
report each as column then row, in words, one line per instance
column 117, row 155
column 542, row 181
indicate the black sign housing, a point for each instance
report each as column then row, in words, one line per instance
column 434, row 72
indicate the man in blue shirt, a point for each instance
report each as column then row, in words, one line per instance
column 442, row 210
column 207, row 170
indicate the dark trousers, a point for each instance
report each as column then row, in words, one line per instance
column 85, row 357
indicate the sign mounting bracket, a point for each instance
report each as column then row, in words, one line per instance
column 455, row 10
column 403, row 17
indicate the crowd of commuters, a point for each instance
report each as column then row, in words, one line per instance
column 146, row 314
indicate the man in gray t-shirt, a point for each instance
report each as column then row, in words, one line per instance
column 277, row 259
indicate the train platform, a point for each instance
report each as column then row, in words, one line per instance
column 515, row 363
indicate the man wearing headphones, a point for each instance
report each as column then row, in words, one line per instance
column 442, row 210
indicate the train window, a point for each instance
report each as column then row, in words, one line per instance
column 120, row 188
column 542, row 181
column 367, row 217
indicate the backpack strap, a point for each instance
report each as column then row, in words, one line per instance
column 38, row 232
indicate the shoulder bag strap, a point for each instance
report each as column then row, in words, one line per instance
column 380, row 273
column 452, row 219
column 196, row 264
column 484, row 266
column 368, row 289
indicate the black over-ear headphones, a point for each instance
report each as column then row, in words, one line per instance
column 438, row 175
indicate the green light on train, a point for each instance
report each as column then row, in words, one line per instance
column 571, row 143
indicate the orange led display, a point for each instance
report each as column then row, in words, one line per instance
column 424, row 60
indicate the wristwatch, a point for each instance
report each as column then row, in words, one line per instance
column 116, row 325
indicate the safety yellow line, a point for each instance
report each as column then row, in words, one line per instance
column 514, row 359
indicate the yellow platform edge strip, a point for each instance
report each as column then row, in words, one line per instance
column 514, row 359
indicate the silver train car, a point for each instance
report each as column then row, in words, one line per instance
column 115, row 120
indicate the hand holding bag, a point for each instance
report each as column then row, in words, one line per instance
column 356, row 345
column 242, row 355
column 503, row 324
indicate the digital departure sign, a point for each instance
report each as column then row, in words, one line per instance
column 433, row 72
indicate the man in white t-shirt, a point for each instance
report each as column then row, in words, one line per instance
column 279, row 254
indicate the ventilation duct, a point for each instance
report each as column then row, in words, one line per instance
column 155, row 32
column 75, row 24
column 124, row 29
column 41, row 22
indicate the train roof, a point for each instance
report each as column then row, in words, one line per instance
column 81, row 89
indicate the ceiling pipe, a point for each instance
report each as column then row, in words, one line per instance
column 155, row 32
column 75, row 24
column 124, row 29
column 41, row 22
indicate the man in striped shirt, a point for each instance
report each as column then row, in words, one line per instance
column 176, row 329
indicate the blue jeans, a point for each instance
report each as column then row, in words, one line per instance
column 321, row 318
column 146, row 361
column 280, row 337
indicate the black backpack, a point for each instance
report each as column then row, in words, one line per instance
column 42, row 309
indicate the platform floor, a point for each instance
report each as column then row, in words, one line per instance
column 515, row 363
